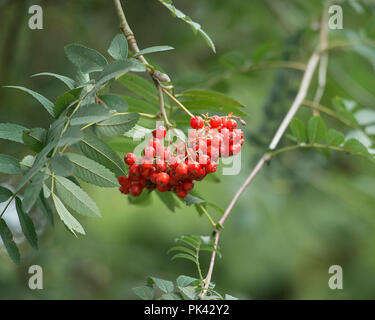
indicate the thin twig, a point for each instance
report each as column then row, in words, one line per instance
column 177, row 102
column 156, row 75
column 323, row 64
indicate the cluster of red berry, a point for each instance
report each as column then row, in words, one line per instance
column 175, row 167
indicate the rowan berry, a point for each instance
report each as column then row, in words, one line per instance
column 182, row 169
column 135, row 189
column 215, row 122
column 231, row 124
column 162, row 179
column 211, row 167
column 160, row 132
column 196, row 122
column 130, row 158
column 188, row 185
column 134, row 171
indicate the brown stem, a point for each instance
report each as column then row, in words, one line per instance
column 156, row 75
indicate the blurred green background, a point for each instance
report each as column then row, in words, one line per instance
column 302, row 214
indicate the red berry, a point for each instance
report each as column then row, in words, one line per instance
column 149, row 152
column 146, row 163
column 234, row 148
column 182, row 193
column 194, row 168
column 196, row 122
column 162, row 188
column 182, row 169
column 201, row 174
column 153, row 177
column 159, row 132
column 162, row 179
column 155, row 143
column 123, row 181
column 231, row 124
column 188, row 185
column 161, row 165
column 167, row 153
column 174, row 161
column 211, row 167
column 215, row 122
column 135, row 189
column 134, row 171
column 130, row 158
column 204, row 159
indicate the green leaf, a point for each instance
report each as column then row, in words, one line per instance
column 229, row 297
column 203, row 100
column 32, row 191
column 71, row 136
column 164, row 285
column 46, row 209
column 66, row 100
column 115, row 102
column 68, row 81
column 71, row 223
column 354, row 146
column 168, row 199
column 11, row 131
column 138, row 104
column 10, row 245
column 152, row 50
column 190, row 199
column 118, row 49
column 47, row 104
column 35, row 138
column 316, row 129
column 61, row 166
column 117, row 125
column 334, row 138
column 298, row 130
column 86, row 59
column 117, row 69
column 27, row 225
column 184, row 281
column 144, row 292
column 342, row 109
column 5, row 194
column 216, row 96
column 75, row 198
column 171, row 296
column 90, row 113
column 140, row 87
column 26, row 163
column 192, row 241
column 195, row 26
column 97, row 150
column 9, row 165
column 189, row 293
column 184, row 256
column 183, row 249
column 92, row 172
column 38, row 164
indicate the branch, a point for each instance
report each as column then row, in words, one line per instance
column 156, row 75
column 323, row 64
column 301, row 95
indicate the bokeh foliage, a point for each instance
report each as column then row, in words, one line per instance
column 302, row 214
